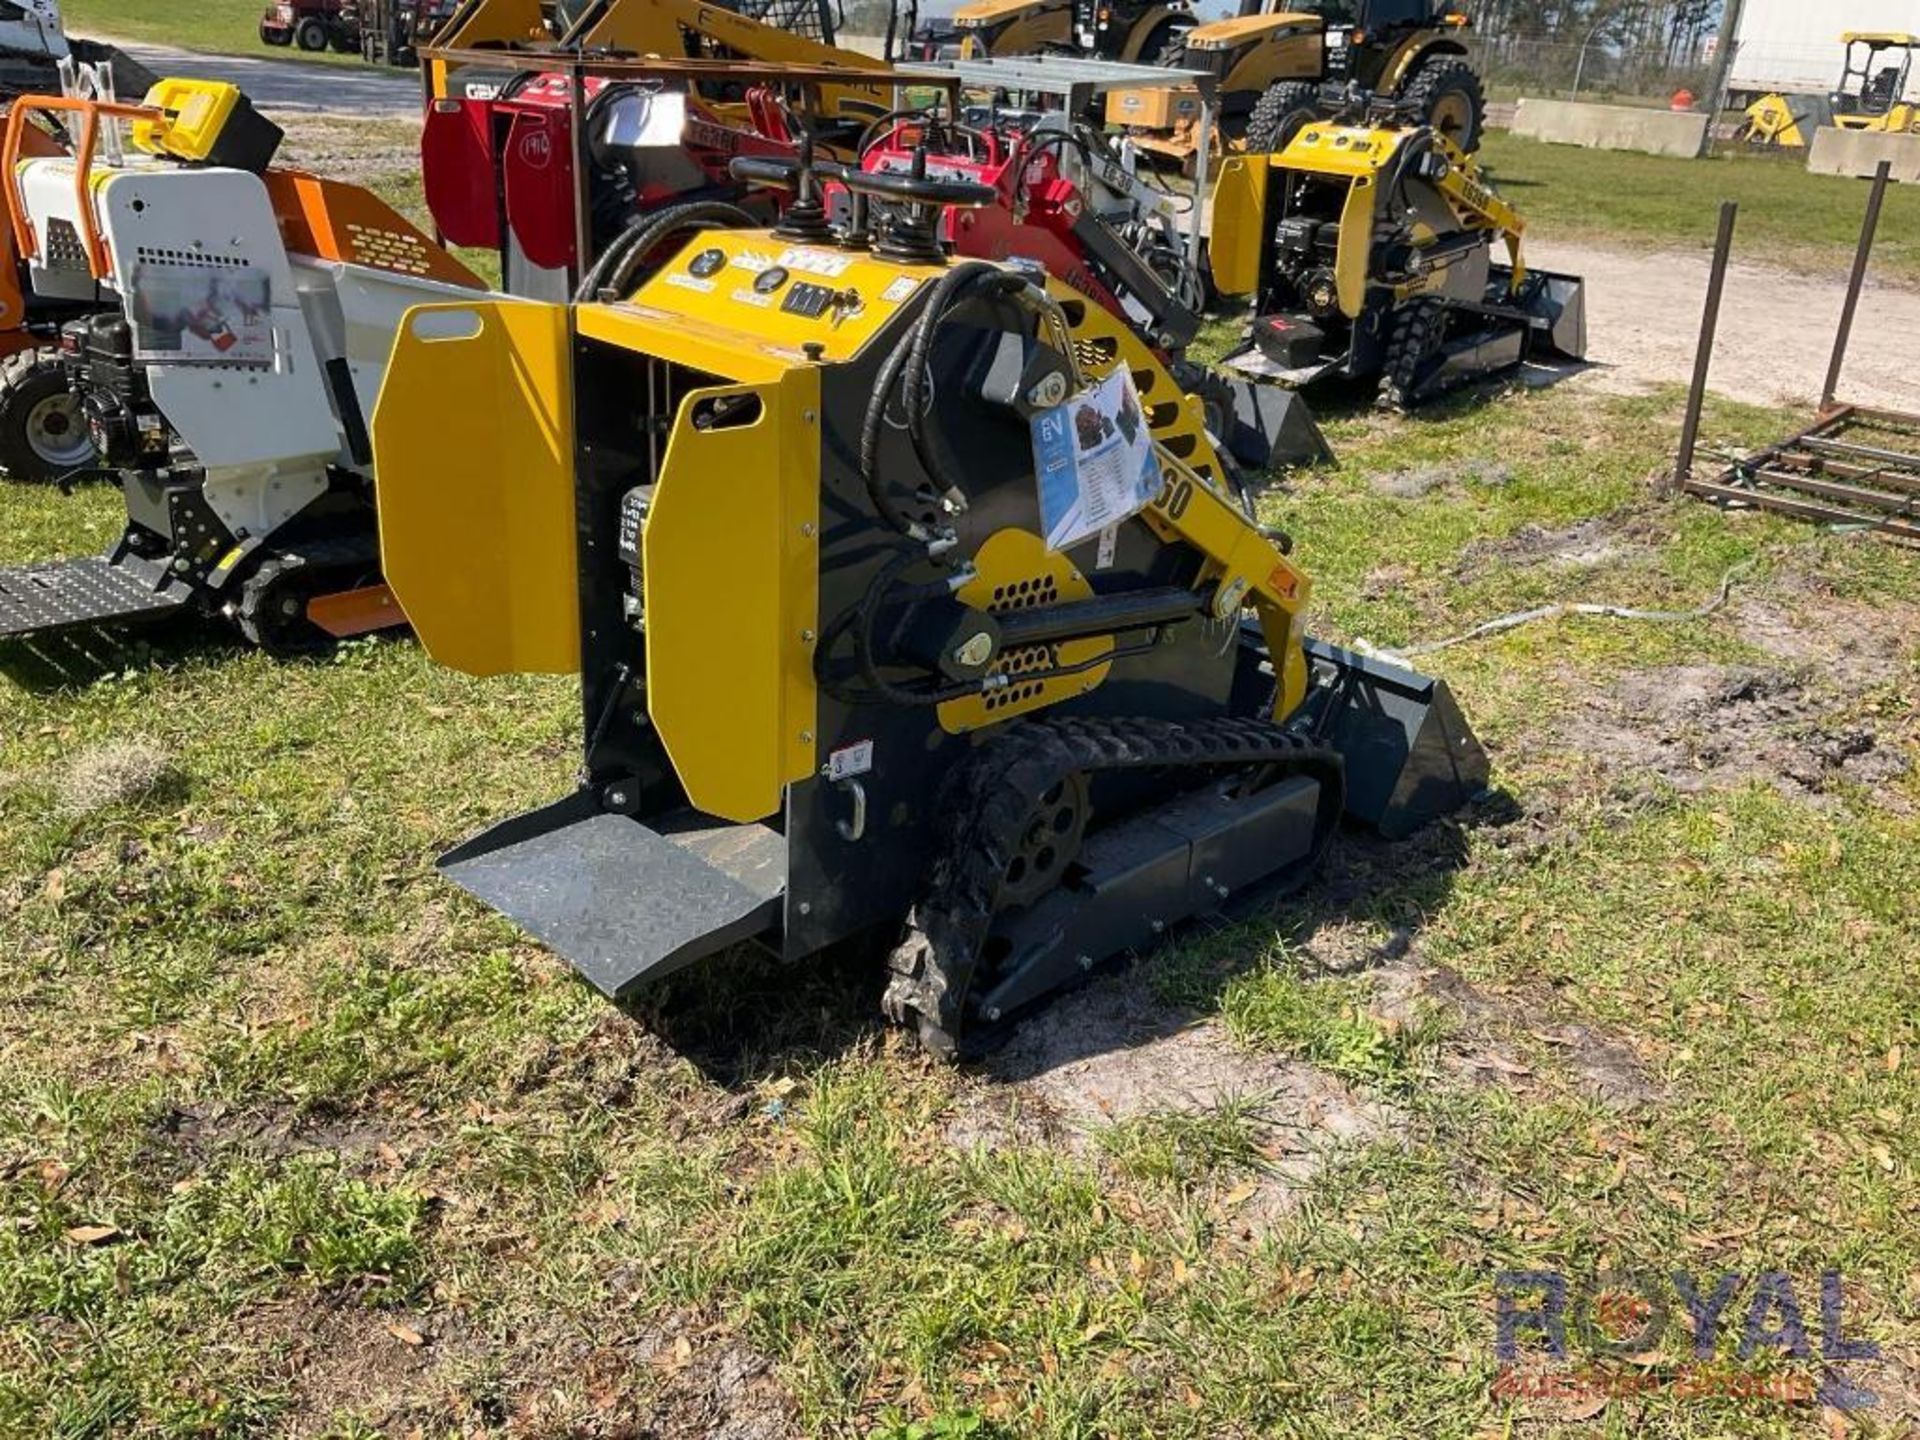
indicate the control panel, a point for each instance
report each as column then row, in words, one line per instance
column 781, row 297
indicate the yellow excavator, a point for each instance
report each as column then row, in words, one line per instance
column 1871, row 96
column 1280, row 64
column 1139, row 32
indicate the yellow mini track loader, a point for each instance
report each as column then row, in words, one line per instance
column 1279, row 64
column 1871, row 96
column 908, row 600
column 1369, row 252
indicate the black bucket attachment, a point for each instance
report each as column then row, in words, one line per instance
column 1557, row 305
column 1272, row 428
column 1411, row 756
column 626, row 903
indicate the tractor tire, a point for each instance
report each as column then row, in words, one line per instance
column 1287, row 108
column 344, row 43
column 1167, row 39
column 1448, row 95
column 311, row 35
column 43, row 435
column 1415, row 334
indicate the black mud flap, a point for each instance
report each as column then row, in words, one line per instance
column 622, row 902
column 1273, row 428
column 92, row 591
column 1411, row 756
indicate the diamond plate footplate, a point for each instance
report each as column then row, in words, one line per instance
column 76, row 594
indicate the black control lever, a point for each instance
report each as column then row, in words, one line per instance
column 805, row 218
column 909, row 231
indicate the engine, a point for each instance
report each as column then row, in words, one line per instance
column 126, row 426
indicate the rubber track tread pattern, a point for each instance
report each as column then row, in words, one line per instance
column 994, row 792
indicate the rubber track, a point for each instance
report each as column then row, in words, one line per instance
column 1415, row 335
column 995, row 792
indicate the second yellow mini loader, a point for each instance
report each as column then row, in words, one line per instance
column 1369, row 253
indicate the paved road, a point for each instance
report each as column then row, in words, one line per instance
column 291, row 86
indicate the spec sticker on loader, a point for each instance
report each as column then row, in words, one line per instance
column 850, row 760
column 1094, row 461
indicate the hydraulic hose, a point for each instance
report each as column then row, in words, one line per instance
column 621, row 260
column 919, row 369
column 889, row 379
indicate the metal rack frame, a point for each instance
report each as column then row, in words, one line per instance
column 1855, row 465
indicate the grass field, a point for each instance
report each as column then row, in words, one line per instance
column 294, row 1138
column 218, row 27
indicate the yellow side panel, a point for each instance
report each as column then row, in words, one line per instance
column 1239, row 224
column 473, row 450
column 1352, row 256
column 731, row 563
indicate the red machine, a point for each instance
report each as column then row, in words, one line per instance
column 1065, row 204
column 502, row 169
column 500, row 174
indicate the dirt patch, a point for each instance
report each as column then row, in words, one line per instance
column 1643, row 322
column 356, row 151
column 1602, row 540
column 1482, row 1040
column 116, row 772
column 1699, row 727
column 1843, row 641
column 342, row 1358
column 437, row 1371
column 1113, row 1053
column 721, row 1391
column 1412, row 483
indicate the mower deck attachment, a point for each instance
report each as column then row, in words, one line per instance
column 84, row 593
column 625, row 902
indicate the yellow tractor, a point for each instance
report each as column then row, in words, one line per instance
column 1871, row 96
column 1139, row 32
column 1279, row 64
